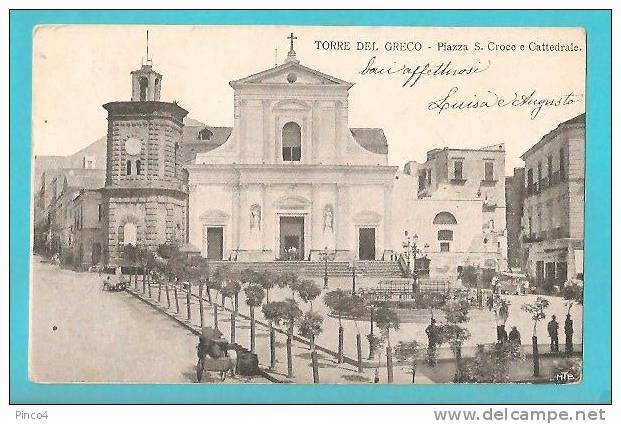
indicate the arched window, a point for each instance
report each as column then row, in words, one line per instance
column 444, row 218
column 130, row 234
column 144, row 89
column 138, row 167
column 291, row 142
column 128, row 167
column 205, row 134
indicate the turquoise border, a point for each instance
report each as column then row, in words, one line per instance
column 596, row 387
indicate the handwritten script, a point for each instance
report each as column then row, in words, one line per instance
column 489, row 99
column 412, row 74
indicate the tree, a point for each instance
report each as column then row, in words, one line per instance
column 456, row 311
column 501, row 315
column 310, row 326
column 274, row 312
column 286, row 311
column 339, row 304
column 131, row 256
column 386, row 319
column 230, row 290
column 267, row 280
column 308, row 291
column 470, row 276
column 254, row 298
column 289, row 279
column 489, row 366
column 537, row 311
column 409, row 351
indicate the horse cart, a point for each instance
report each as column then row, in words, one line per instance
column 212, row 351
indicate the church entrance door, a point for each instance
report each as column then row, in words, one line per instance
column 366, row 244
column 214, row 243
column 292, row 238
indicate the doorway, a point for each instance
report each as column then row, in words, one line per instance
column 366, row 244
column 215, row 243
column 292, row 238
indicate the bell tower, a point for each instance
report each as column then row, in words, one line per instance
column 145, row 194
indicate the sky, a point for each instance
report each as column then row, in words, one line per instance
column 77, row 68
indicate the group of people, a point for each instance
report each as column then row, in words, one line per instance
column 514, row 337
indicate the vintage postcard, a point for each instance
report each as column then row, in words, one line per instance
column 307, row 204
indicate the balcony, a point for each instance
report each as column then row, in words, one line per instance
column 458, row 181
column 531, row 238
column 488, row 182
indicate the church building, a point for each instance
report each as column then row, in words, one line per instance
column 293, row 178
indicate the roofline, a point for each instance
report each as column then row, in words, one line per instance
column 243, row 81
column 547, row 137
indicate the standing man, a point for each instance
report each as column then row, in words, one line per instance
column 553, row 333
column 432, row 340
column 569, row 333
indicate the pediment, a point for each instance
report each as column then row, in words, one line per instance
column 292, row 202
column 214, row 216
column 293, row 74
column 367, row 217
column 291, row 105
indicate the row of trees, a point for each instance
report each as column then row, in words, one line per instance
column 169, row 264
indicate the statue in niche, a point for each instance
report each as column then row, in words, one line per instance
column 255, row 217
column 328, row 218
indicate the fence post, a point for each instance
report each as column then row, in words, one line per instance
column 149, row 287
column 233, row 327
column 535, row 357
column 389, row 363
column 188, row 299
column 167, row 296
column 315, row 367
column 359, row 349
column 272, row 347
column 159, row 289
column 200, row 303
column 340, row 351
column 176, row 297
column 289, row 357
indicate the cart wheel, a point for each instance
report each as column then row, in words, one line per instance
column 200, row 368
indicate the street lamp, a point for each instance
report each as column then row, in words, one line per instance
column 353, row 276
column 324, row 255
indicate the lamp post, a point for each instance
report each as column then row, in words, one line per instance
column 353, row 276
column 325, row 267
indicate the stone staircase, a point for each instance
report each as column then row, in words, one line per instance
column 386, row 269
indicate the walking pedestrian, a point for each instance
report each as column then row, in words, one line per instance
column 569, row 333
column 490, row 302
column 553, row 333
column 432, row 341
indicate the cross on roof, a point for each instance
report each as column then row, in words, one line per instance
column 291, row 38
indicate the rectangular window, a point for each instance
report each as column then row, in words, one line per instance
column 99, row 212
column 529, row 186
column 291, row 154
column 421, row 182
column 445, row 235
column 539, row 177
column 445, row 246
column 489, row 171
column 429, row 177
column 459, row 170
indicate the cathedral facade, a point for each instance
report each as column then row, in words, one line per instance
column 293, row 179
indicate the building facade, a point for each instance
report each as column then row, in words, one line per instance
column 553, row 222
column 455, row 205
column 293, row 178
column 515, row 192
